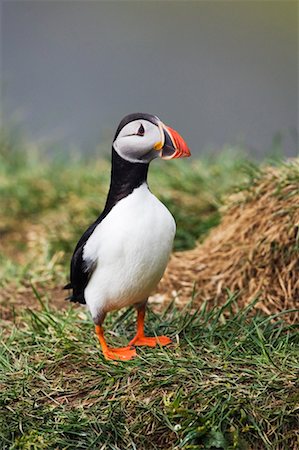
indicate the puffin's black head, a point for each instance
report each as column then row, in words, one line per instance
column 141, row 137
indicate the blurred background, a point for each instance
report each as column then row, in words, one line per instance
column 220, row 72
column 225, row 75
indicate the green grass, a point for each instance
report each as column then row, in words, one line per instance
column 53, row 199
column 32, row 186
column 228, row 381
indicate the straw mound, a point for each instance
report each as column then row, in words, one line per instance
column 254, row 251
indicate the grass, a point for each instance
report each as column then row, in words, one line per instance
column 253, row 250
column 229, row 381
column 226, row 382
column 47, row 202
column 32, row 186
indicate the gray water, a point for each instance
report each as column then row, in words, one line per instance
column 219, row 72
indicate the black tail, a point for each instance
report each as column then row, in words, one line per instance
column 76, row 297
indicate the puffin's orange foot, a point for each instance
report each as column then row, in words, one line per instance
column 123, row 353
column 150, row 341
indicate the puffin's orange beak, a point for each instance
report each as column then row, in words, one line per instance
column 172, row 145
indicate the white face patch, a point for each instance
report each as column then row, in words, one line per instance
column 136, row 141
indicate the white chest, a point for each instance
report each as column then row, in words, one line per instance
column 131, row 247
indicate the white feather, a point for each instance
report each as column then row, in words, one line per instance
column 135, row 148
column 131, row 248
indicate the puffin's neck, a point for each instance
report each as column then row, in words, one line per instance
column 125, row 177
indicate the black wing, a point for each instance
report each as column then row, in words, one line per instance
column 81, row 271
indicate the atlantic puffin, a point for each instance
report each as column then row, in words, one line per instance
column 122, row 256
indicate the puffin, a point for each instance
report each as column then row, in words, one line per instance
column 121, row 257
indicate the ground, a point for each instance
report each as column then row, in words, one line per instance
column 228, row 381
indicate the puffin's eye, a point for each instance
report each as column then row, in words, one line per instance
column 140, row 132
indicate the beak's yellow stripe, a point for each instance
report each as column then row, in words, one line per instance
column 158, row 145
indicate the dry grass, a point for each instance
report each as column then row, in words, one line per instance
column 254, row 251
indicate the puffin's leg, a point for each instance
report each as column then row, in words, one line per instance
column 122, row 353
column 140, row 339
